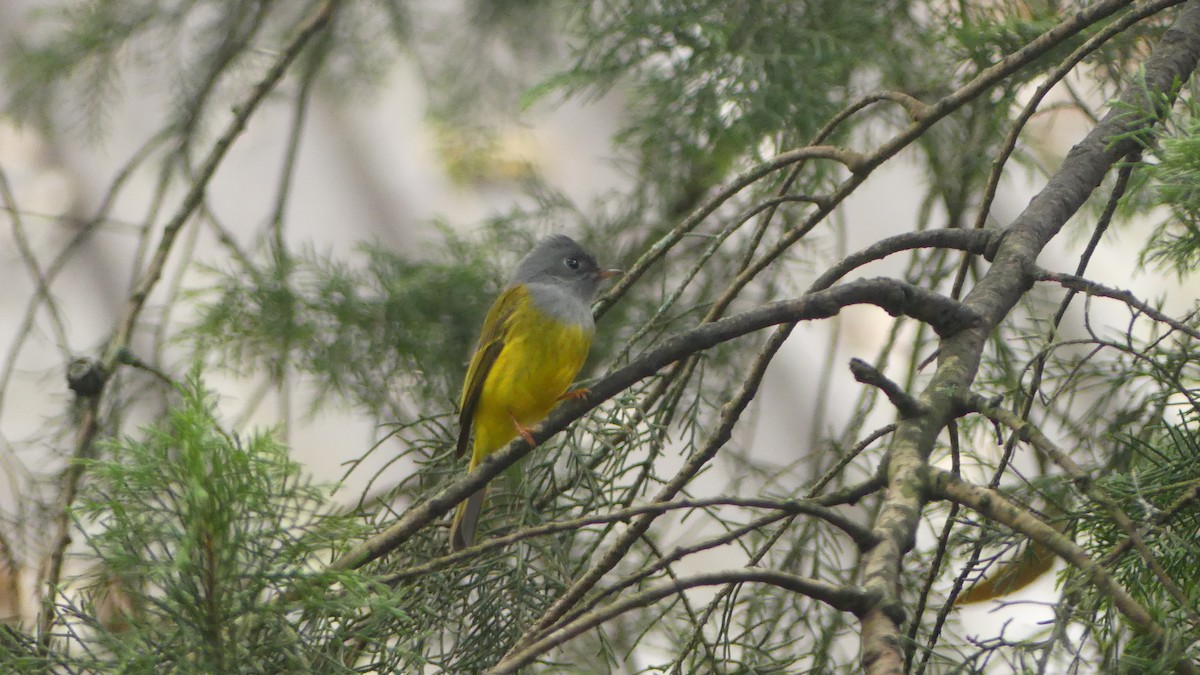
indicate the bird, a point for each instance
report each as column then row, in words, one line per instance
column 533, row 342
column 1011, row 575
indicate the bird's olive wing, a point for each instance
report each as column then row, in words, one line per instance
column 491, row 343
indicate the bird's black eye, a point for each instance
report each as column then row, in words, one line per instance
column 573, row 263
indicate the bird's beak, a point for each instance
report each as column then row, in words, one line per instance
column 609, row 274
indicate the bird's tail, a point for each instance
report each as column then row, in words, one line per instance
column 462, row 530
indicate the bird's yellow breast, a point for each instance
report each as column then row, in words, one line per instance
column 541, row 357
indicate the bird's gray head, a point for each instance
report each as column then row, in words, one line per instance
column 559, row 261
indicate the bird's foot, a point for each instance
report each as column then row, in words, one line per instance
column 575, row 394
column 523, row 431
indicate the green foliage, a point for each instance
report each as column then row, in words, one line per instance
column 1175, row 176
column 83, row 50
column 1158, row 492
column 989, row 33
column 88, row 52
column 1138, row 441
column 715, row 82
column 362, row 329
column 206, row 546
column 986, row 33
column 1124, row 409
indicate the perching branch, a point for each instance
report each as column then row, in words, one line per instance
column 896, row 297
column 616, row 551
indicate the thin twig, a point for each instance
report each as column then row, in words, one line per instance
column 1083, row 285
column 843, row 598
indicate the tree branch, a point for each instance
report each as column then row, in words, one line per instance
column 1051, row 80
column 998, row 291
column 869, row 375
column 979, row 242
column 731, row 413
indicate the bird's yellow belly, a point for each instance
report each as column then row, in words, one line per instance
column 535, row 368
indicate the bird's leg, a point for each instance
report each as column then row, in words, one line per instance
column 574, row 394
column 523, row 431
